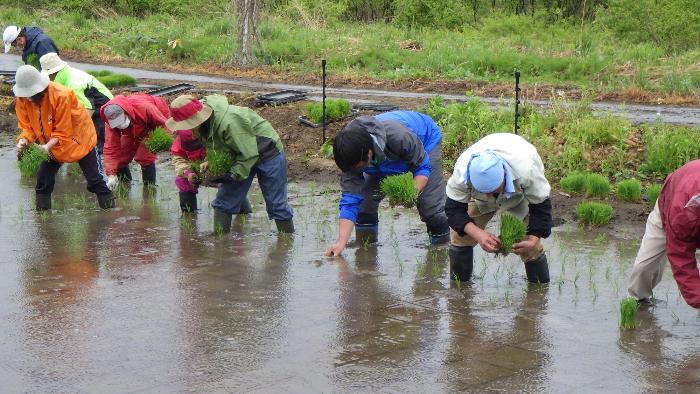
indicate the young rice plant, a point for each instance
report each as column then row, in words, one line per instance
column 400, row 189
column 597, row 185
column 629, row 190
column 628, row 311
column 574, row 182
column 31, row 159
column 594, row 213
column 653, row 192
column 159, row 140
column 110, row 80
column 335, row 109
column 512, row 231
column 220, row 162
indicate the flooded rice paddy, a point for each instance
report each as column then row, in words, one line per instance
column 138, row 299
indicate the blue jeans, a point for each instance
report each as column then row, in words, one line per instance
column 272, row 177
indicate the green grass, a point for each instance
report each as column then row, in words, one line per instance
column 574, row 182
column 31, row 160
column 594, row 213
column 335, row 109
column 653, row 192
column 400, row 189
column 111, row 80
column 159, row 140
column 220, row 162
column 668, row 148
column 597, row 185
column 629, row 190
column 628, row 311
column 512, row 231
column 326, row 149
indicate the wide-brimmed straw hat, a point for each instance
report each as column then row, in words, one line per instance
column 187, row 113
column 51, row 63
column 29, row 81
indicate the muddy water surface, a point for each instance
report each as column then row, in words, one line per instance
column 140, row 300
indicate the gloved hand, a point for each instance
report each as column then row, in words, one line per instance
column 112, row 182
column 22, row 146
column 45, row 148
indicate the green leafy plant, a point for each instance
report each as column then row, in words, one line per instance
column 629, row 190
column 597, row 185
column 335, row 109
column 159, row 140
column 594, row 213
column 653, row 192
column 400, row 189
column 574, row 182
column 512, row 231
column 220, row 162
column 110, row 79
column 31, row 159
column 628, row 311
column 326, row 150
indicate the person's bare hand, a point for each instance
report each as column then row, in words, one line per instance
column 526, row 246
column 489, row 243
column 334, row 250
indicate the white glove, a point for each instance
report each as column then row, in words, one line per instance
column 45, row 148
column 112, row 182
column 22, row 143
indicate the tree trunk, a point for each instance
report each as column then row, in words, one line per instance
column 246, row 12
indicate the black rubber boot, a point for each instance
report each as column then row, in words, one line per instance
column 188, row 202
column 366, row 234
column 285, row 226
column 439, row 234
column 537, row 270
column 124, row 174
column 106, row 200
column 43, row 202
column 148, row 175
column 461, row 262
column 245, row 208
column 222, row 222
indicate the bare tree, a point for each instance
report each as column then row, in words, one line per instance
column 246, row 16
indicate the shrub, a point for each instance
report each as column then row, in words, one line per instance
column 574, row 182
column 593, row 213
column 159, row 140
column 667, row 148
column 653, row 192
column 629, row 190
column 597, row 185
column 31, row 159
column 512, row 231
column 400, row 189
column 628, row 311
column 219, row 161
column 335, row 109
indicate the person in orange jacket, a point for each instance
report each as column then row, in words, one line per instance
column 51, row 115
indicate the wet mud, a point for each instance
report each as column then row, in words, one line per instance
column 140, row 299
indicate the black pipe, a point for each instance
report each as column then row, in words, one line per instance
column 517, row 99
column 323, row 98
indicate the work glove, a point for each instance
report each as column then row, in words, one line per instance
column 45, row 148
column 22, row 146
column 112, row 182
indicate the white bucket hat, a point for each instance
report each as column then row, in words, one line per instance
column 51, row 63
column 9, row 36
column 29, row 81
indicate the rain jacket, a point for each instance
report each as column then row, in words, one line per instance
column 85, row 86
column 146, row 113
column 401, row 142
column 679, row 206
column 241, row 132
column 59, row 115
column 37, row 42
column 186, row 149
column 525, row 180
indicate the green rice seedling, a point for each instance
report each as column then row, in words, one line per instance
column 220, row 162
column 512, row 231
column 594, row 213
column 629, row 190
column 653, row 192
column 335, row 109
column 628, row 311
column 597, row 185
column 574, row 182
column 400, row 189
column 110, row 79
column 437, row 270
column 31, row 159
column 457, row 281
column 159, row 140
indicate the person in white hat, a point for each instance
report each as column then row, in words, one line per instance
column 50, row 115
column 31, row 40
column 90, row 92
column 500, row 172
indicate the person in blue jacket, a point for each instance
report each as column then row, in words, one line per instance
column 31, row 40
column 370, row 148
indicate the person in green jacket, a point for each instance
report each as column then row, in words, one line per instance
column 254, row 147
column 90, row 92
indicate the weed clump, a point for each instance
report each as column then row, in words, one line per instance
column 219, row 161
column 628, row 311
column 594, row 213
column 111, row 80
column 326, row 150
column 574, row 182
column 31, row 159
column 512, row 231
column 159, row 140
column 629, row 190
column 597, row 185
column 400, row 189
column 335, row 109
column 653, row 192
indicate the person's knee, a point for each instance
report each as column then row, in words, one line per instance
column 368, row 218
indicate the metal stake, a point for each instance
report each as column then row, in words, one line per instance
column 323, row 98
column 517, row 99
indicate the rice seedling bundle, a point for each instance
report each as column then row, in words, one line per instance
column 159, row 140
column 400, row 190
column 512, row 231
column 31, row 159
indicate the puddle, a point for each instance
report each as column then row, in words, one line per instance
column 140, row 299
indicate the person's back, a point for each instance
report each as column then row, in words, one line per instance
column 38, row 43
column 90, row 91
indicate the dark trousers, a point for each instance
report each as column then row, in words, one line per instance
column 46, row 175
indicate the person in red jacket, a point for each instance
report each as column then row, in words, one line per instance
column 673, row 233
column 128, row 121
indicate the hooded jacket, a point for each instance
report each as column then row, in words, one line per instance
column 59, row 115
column 81, row 83
column 679, row 207
column 145, row 112
column 241, row 132
column 37, row 42
column 401, row 142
